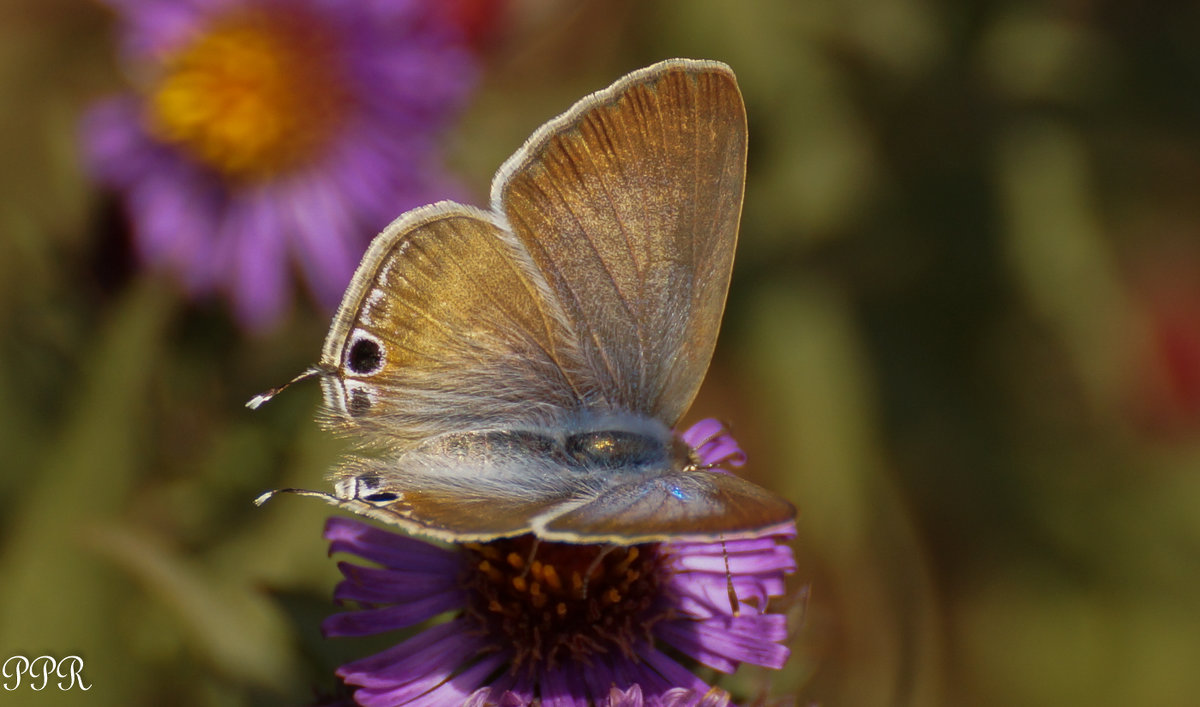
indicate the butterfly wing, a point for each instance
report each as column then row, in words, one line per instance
column 461, row 500
column 595, row 288
column 687, row 505
column 470, row 502
column 598, row 284
column 444, row 328
column 629, row 204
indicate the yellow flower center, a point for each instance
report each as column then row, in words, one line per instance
column 254, row 96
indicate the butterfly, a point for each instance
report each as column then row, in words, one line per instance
column 519, row 370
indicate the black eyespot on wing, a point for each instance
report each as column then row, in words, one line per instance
column 381, row 497
column 359, row 403
column 364, row 357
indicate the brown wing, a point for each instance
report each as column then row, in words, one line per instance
column 629, row 204
column 687, row 506
column 443, row 328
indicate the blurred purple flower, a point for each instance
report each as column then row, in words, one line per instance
column 261, row 132
column 524, row 631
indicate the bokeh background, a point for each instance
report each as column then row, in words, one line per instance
column 963, row 337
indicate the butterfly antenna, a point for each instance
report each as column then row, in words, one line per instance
column 257, row 401
column 587, row 576
column 327, row 497
column 734, row 605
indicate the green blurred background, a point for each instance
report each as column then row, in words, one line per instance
column 963, row 337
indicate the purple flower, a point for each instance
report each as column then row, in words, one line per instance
column 264, row 132
column 576, row 625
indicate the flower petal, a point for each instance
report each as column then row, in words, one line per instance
column 379, row 585
column 723, row 643
column 625, row 698
column 456, row 690
column 258, row 278
column 326, row 239
column 390, row 618
column 701, row 432
column 387, row 548
column 438, row 650
column 672, row 672
column 778, row 559
column 560, row 688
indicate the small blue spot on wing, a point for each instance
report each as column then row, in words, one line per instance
column 677, row 492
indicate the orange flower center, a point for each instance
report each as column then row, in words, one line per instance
column 255, row 96
column 552, row 603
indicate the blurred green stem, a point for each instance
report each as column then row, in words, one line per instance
column 57, row 597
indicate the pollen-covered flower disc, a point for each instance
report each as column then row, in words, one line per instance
column 262, row 134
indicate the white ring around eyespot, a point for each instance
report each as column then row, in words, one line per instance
column 359, row 335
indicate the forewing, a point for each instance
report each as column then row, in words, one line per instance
column 444, row 328
column 683, row 506
column 629, row 205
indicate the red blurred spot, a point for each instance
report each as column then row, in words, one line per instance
column 1168, row 382
column 480, row 20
